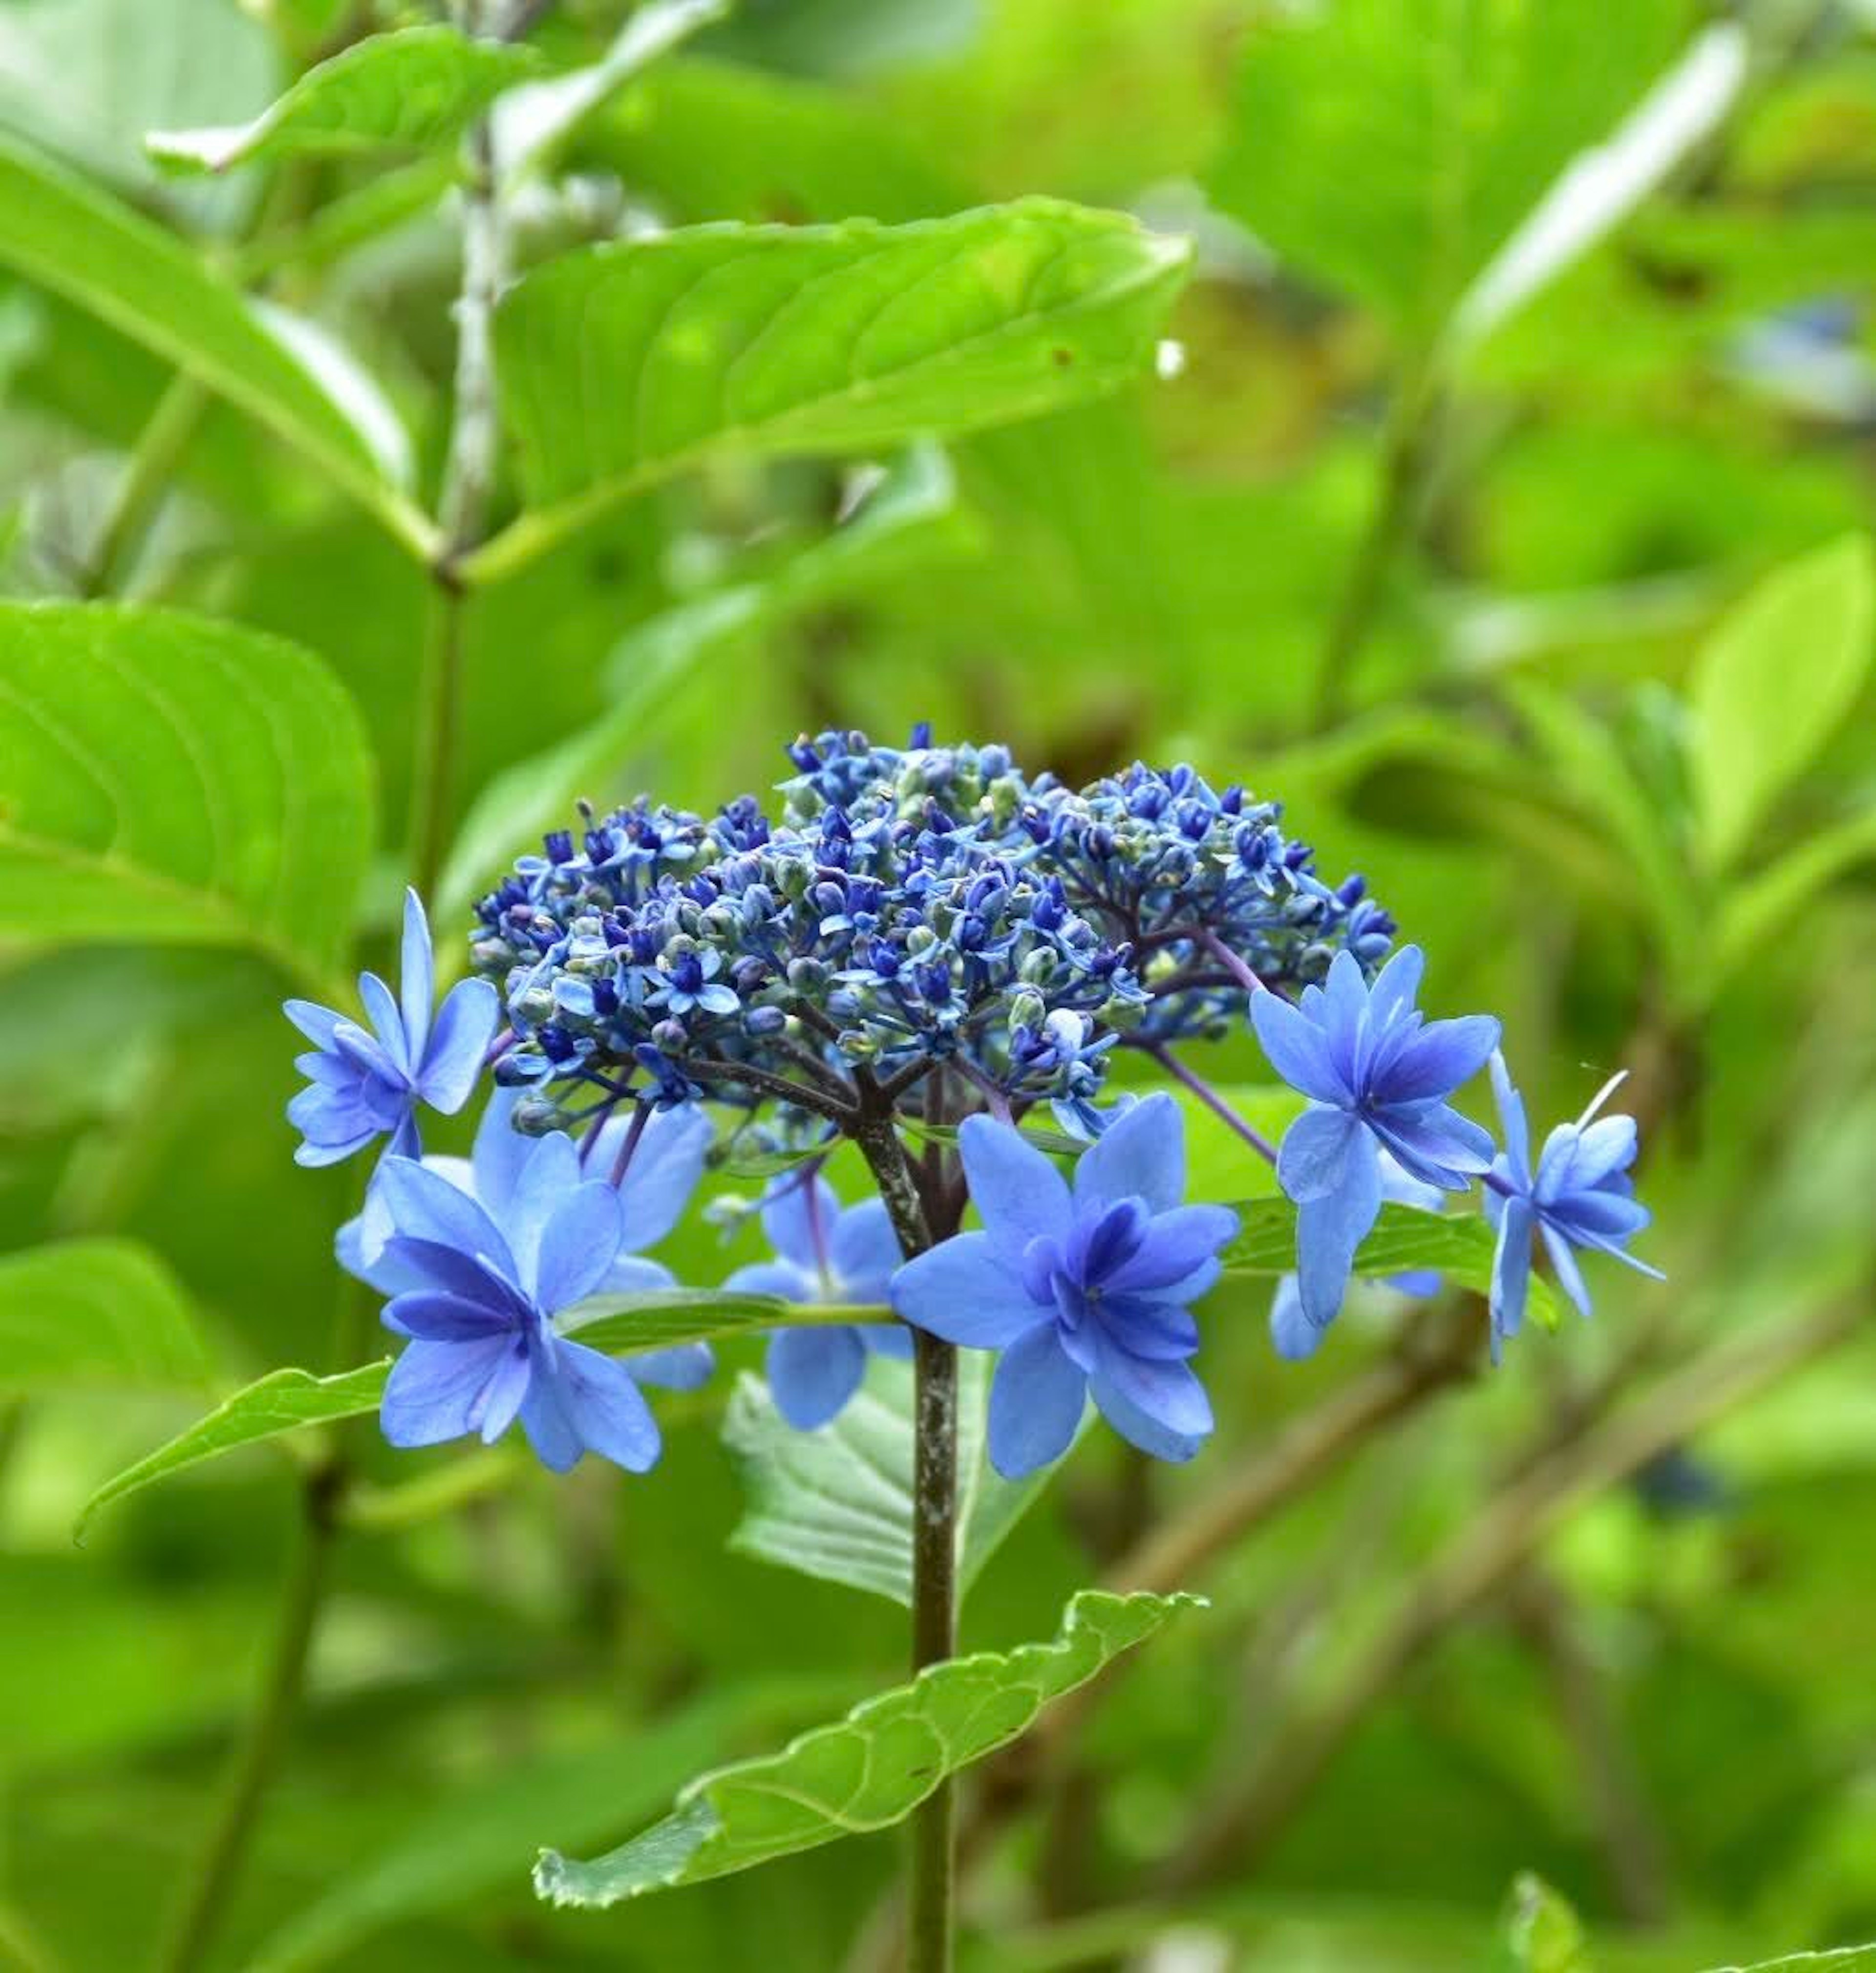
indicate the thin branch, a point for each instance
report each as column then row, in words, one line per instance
column 778, row 1086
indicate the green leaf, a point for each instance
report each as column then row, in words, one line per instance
column 866, row 1772
column 409, row 90
column 168, row 778
column 1539, row 1933
column 280, row 369
column 532, row 124
column 910, row 519
column 1772, row 682
column 472, row 1840
column 837, row 1503
column 625, row 364
column 1459, row 1244
column 1757, row 912
column 91, row 1312
column 287, row 1400
column 282, row 1401
column 1394, row 146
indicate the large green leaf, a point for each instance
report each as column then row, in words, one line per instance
column 624, row 363
column 1393, row 146
column 280, row 369
column 290, row 1400
column 471, row 1839
column 88, row 1312
column 1845, row 1959
column 910, row 519
column 409, row 90
column 1405, row 1239
column 1772, row 682
column 166, row 777
column 866, row 1772
column 837, row 1502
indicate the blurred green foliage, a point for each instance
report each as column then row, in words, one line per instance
column 1526, row 563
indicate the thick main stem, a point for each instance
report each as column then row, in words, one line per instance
column 933, row 1827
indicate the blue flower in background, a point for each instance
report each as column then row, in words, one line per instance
column 1580, row 1196
column 823, row 1253
column 364, row 1084
column 1377, row 1075
column 1294, row 1335
column 486, row 1258
column 1085, row 1292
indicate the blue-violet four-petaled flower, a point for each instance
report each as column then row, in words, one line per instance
column 1085, row 1291
column 1580, row 1196
column 364, row 1083
column 1377, row 1075
column 828, row 1253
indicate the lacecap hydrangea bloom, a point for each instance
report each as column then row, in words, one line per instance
column 364, row 1083
column 1086, row 1291
column 829, row 1254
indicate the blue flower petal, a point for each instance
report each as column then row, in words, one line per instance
column 665, row 1171
column 458, row 1044
column 1329, row 1229
column 1436, row 1060
column 438, row 1391
column 440, row 1318
column 887, row 1339
column 685, row 1366
column 417, row 978
column 1017, row 1192
column 578, row 1244
column 1141, row 1156
column 317, row 1023
column 1036, row 1401
column 772, row 1277
column 549, row 1172
column 865, row 1250
column 1434, row 1143
column 1166, row 1388
column 1511, row 1272
column 500, row 1151
column 961, row 1291
column 424, row 1206
column 387, row 1022
column 1178, row 1244
column 813, row 1373
column 1569, row 1275
column 1139, row 1428
column 1297, row 1049
column 1313, row 1160
column 798, row 1215
column 1512, row 1121
column 1293, row 1335
column 1149, row 1326
column 607, row 1407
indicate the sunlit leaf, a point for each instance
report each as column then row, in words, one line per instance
column 409, row 90
column 866, row 1772
column 624, row 363
column 1539, row 1933
column 838, row 1503
column 80, row 243
column 167, row 778
column 1771, row 684
column 1758, row 909
column 80, row 1312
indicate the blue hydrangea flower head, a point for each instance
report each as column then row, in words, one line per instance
column 823, row 1253
column 362, row 1082
column 486, row 1261
column 1378, row 1075
column 1085, row 1290
column 1579, row 1196
column 1293, row 1335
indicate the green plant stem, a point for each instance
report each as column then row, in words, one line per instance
column 145, row 482
column 1406, row 448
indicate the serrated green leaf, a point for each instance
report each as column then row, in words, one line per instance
column 279, row 369
column 910, row 519
column 866, row 1772
column 625, row 364
column 1394, row 145
column 1772, row 682
column 1405, row 1239
column 168, row 778
column 290, row 1400
column 409, row 90
column 837, row 1503
column 95, row 1312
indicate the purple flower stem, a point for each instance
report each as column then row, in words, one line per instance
column 1213, row 1101
column 1230, row 962
column 634, row 1131
column 994, row 1101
